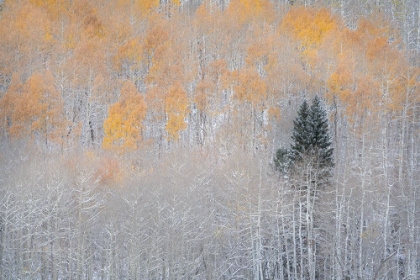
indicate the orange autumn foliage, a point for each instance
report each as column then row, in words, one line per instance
column 249, row 87
column 130, row 54
column 309, row 26
column 123, row 126
column 34, row 108
column 224, row 59
column 147, row 6
column 247, row 10
column 176, row 108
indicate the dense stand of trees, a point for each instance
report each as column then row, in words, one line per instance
column 200, row 73
column 138, row 139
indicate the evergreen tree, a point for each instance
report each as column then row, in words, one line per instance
column 302, row 134
column 320, row 144
column 310, row 139
column 309, row 162
column 282, row 160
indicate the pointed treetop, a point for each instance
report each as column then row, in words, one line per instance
column 310, row 137
column 301, row 132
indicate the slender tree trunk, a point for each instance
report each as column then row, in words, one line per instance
column 310, row 239
column 361, row 261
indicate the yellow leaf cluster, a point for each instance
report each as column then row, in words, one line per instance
column 123, row 126
column 34, row 108
column 309, row 26
column 131, row 52
column 176, row 108
column 249, row 87
column 146, row 6
column 247, row 10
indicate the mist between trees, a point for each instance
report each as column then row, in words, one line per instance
column 167, row 139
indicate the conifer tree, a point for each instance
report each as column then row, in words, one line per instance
column 309, row 162
column 320, row 144
column 310, row 139
column 282, row 160
column 302, row 134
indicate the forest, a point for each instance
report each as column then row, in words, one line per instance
column 210, row 139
